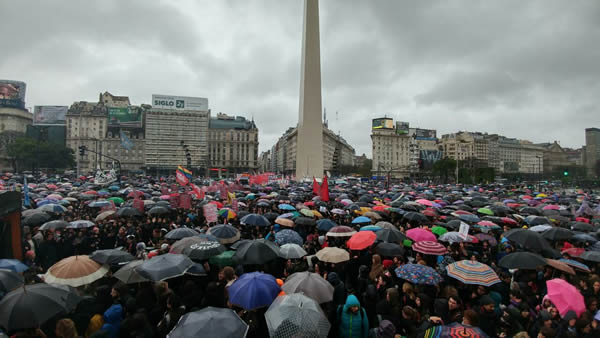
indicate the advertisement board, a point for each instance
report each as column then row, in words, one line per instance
column 179, row 102
column 429, row 157
column 48, row 115
column 12, row 94
column 384, row 123
column 125, row 117
column 402, row 128
column 425, row 134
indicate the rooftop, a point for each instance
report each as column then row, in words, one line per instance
column 223, row 121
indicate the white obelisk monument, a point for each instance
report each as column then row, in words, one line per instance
column 309, row 144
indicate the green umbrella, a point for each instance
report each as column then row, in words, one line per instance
column 407, row 243
column 307, row 213
column 295, row 214
column 116, row 200
column 438, row 230
column 485, row 211
column 223, row 259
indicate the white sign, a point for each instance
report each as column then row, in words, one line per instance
column 463, row 231
column 179, row 102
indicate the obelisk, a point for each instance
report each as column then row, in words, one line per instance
column 309, row 142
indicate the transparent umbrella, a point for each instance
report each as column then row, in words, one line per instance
column 296, row 315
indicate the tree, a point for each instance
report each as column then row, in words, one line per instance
column 28, row 153
column 444, row 168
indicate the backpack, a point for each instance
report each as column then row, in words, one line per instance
column 338, row 318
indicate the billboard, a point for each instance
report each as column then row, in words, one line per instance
column 125, row 117
column 401, row 128
column 46, row 115
column 179, row 102
column 12, row 94
column 425, row 134
column 384, row 123
column 429, row 157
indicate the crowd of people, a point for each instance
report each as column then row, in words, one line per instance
column 371, row 296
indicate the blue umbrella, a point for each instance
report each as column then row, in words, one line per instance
column 584, row 238
column 286, row 207
column 288, row 236
column 575, row 264
column 13, row 265
column 325, row 224
column 253, row 290
column 46, row 201
column 469, row 218
column 100, row 204
column 373, row 228
column 113, row 188
column 225, row 233
column 361, row 219
column 255, row 220
column 54, row 208
column 418, row 274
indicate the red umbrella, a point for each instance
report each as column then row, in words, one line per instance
column 462, row 212
column 508, row 221
column 582, row 219
column 217, row 203
column 91, row 192
column 429, row 248
column 573, row 252
column 361, row 240
column 429, row 212
column 552, row 207
column 51, row 186
column 380, row 207
column 419, row 234
column 514, row 205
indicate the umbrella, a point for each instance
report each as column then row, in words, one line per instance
column 361, row 240
column 284, row 222
column 486, row 211
column 307, row 212
column 389, row 249
column 591, row 256
column 52, row 208
column 419, row 234
column 469, row 218
column 311, row 284
column 104, row 215
column 111, row 256
column 455, row 330
column 361, row 220
column 255, row 220
column 557, row 234
column 223, row 259
column 522, row 260
column 385, row 225
column 296, row 315
column 128, row 212
column 225, row 233
column 227, row 213
column 341, row 231
column 325, row 224
column 57, row 224
column 305, row 221
column 286, row 236
column 455, row 237
column 575, row 264
column 418, row 274
column 291, row 251
column 285, row 206
column 565, row 297
column 210, row 322
column 32, row 305
column 257, row 251
column 197, row 248
column 485, row 237
column 75, row 271
column 429, row 248
column 333, row 255
column 79, row 224
column 573, row 252
column 158, row 210
column 128, row 275
column 253, row 290
column 116, row 200
column 180, row 233
column 472, row 272
column 10, row 280
column 390, row 235
column 438, row 230
column 562, row 266
column 164, row 267
column 584, row 238
column 415, row 217
column 36, row 219
column 13, row 265
column 528, row 239
column 580, row 226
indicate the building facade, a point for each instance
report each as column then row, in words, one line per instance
column 392, row 153
column 232, row 146
column 592, row 150
column 13, row 124
column 86, row 124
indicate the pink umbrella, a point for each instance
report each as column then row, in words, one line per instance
column 552, row 207
column 419, row 234
column 165, row 197
column 565, row 296
column 54, row 197
column 425, row 202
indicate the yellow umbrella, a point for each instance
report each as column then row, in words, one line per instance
column 542, row 195
column 317, row 214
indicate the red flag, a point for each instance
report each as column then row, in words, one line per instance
column 197, row 191
column 181, row 178
column 185, row 201
column 316, row 187
column 324, row 190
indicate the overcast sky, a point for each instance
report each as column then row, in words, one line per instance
column 525, row 69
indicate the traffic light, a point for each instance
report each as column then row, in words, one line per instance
column 82, row 150
column 566, row 173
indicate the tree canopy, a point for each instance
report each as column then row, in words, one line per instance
column 27, row 153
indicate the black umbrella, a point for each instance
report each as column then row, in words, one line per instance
column 225, row 233
column 239, row 243
column 111, row 256
column 453, row 224
column 202, row 250
column 390, row 235
column 522, row 260
column 389, row 249
column 257, row 251
column 36, row 219
column 158, row 210
column 415, row 217
column 557, row 234
column 128, row 275
column 592, row 256
column 581, row 226
column 57, row 224
column 530, row 240
column 180, row 233
column 210, row 322
column 128, row 212
column 529, row 211
column 32, row 305
column 306, row 221
column 255, row 220
column 271, row 216
column 164, row 267
column 10, row 280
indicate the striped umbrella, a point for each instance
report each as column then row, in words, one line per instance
column 472, row 272
column 429, row 248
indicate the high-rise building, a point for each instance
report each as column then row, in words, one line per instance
column 592, row 150
column 86, row 126
column 309, row 149
column 176, row 126
column 14, row 118
column 232, row 146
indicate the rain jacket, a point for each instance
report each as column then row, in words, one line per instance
column 112, row 320
column 352, row 325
